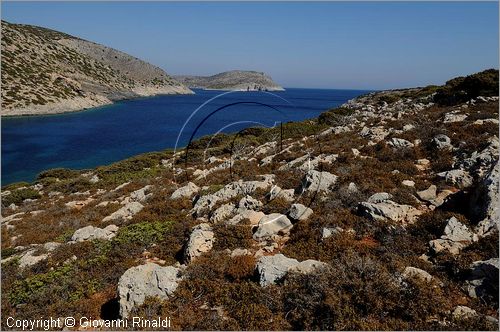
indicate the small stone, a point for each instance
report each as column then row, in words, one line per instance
column 461, row 312
column 330, row 231
column 442, row 142
column 408, row 183
column 299, row 212
column 428, row 195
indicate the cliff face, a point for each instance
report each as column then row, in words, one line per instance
column 238, row 80
column 45, row 71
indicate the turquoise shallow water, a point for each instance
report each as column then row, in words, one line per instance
column 106, row 134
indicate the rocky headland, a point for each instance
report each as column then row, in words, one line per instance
column 47, row 72
column 380, row 214
column 235, row 80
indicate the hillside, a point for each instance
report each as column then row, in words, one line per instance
column 382, row 214
column 45, row 71
column 232, row 80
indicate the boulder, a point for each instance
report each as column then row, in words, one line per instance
column 94, row 233
column 399, row 143
column 442, row 142
column 200, row 241
column 483, row 161
column 316, row 181
column 253, row 216
column 188, row 190
column 273, row 268
column 484, row 203
column 149, row 280
column 140, row 195
column 389, row 210
column 483, row 280
column 457, row 177
column 277, row 192
column 222, row 213
column 126, row 212
column 299, row 212
column 456, row 231
column 32, row 257
column 379, row 197
column 428, row 195
column 456, row 237
column 272, row 224
column 243, row 188
column 249, row 203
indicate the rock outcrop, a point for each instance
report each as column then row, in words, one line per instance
column 380, row 207
column 483, row 280
column 94, row 233
column 456, row 237
column 299, row 212
column 317, row 182
column 272, row 268
column 200, row 241
column 188, row 190
column 272, row 224
column 143, row 281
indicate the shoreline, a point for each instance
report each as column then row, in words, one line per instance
column 80, row 104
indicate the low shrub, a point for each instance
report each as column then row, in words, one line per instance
column 19, row 195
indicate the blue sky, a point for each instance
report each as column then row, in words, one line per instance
column 326, row 45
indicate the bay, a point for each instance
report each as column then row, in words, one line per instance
column 103, row 135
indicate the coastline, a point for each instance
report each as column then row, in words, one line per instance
column 80, row 104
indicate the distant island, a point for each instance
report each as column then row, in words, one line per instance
column 236, row 80
column 47, row 72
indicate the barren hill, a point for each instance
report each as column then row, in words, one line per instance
column 232, row 80
column 46, row 71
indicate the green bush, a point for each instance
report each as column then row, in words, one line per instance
column 145, row 233
column 23, row 290
column 15, row 185
column 334, row 116
column 19, row 195
column 58, row 173
column 462, row 89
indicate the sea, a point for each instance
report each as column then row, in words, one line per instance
column 103, row 135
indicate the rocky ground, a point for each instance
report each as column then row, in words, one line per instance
column 380, row 214
column 47, row 72
column 237, row 80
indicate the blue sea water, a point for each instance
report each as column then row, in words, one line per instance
column 110, row 133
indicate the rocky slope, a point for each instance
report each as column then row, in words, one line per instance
column 45, row 71
column 380, row 214
column 238, row 80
